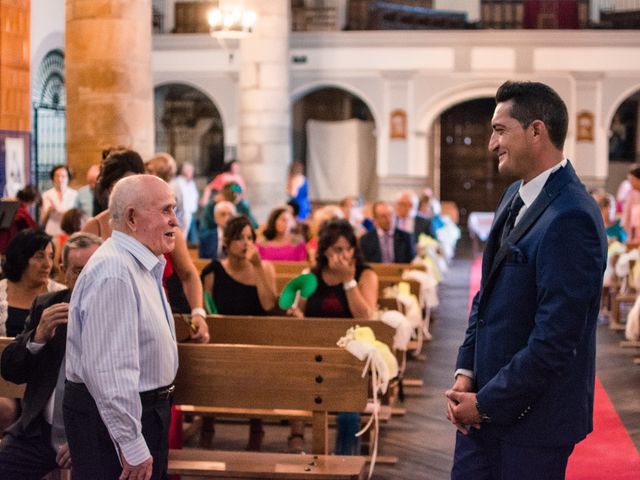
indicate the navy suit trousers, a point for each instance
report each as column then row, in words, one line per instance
column 481, row 456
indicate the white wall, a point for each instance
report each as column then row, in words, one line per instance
column 47, row 30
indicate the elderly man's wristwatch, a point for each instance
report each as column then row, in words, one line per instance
column 484, row 417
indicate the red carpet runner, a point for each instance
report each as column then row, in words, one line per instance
column 608, row 452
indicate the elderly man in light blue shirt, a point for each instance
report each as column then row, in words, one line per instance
column 121, row 347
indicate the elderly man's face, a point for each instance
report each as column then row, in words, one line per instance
column 222, row 216
column 156, row 219
column 76, row 260
column 383, row 216
column 403, row 206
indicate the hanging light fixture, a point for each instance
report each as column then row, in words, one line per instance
column 231, row 20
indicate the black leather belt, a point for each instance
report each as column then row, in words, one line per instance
column 158, row 395
column 147, row 398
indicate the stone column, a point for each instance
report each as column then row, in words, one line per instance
column 15, row 95
column 108, row 79
column 15, row 88
column 264, row 147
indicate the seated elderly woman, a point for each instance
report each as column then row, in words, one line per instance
column 27, row 270
column 347, row 288
column 278, row 242
column 241, row 284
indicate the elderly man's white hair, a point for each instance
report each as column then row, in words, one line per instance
column 412, row 197
column 225, row 204
column 130, row 191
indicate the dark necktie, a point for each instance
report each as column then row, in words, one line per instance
column 514, row 209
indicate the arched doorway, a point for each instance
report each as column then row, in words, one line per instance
column 49, row 122
column 468, row 170
column 333, row 136
column 624, row 140
column 189, row 127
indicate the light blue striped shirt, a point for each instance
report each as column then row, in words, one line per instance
column 121, row 336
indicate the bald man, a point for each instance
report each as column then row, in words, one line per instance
column 407, row 218
column 85, row 197
column 121, row 348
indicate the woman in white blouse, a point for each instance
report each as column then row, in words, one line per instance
column 57, row 200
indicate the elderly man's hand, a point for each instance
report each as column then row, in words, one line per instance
column 51, row 317
column 201, row 333
column 142, row 471
column 63, row 457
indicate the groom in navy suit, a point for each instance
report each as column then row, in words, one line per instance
column 524, row 380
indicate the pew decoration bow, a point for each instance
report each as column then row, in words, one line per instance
column 412, row 310
column 402, row 326
column 361, row 343
column 614, row 252
column 303, row 285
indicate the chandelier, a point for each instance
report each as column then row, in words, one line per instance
column 231, row 21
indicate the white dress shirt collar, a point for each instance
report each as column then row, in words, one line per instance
column 530, row 191
column 141, row 253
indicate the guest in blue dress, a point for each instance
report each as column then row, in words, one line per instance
column 298, row 190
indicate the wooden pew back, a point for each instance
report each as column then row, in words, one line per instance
column 258, row 376
column 282, row 331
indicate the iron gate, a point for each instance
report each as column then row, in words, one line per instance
column 49, row 142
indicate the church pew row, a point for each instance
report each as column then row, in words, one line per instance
column 383, row 282
column 288, row 331
column 388, row 274
column 284, row 331
column 316, row 379
column 296, row 267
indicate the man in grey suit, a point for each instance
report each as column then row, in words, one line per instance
column 385, row 243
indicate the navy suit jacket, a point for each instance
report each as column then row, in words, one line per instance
column 403, row 247
column 40, row 371
column 208, row 247
column 422, row 225
column 531, row 335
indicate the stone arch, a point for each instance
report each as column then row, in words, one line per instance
column 49, row 86
column 49, row 100
column 193, row 128
column 361, row 177
column 310, row 87
column 475, row 190
column 622, row 96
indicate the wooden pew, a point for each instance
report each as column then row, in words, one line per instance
column 283, row 331
column 315, row 379
column 283, row 278
column 382, row 269
column 270, row 377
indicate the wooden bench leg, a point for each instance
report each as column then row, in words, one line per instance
column 320, row 440
column 207, row 432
